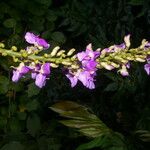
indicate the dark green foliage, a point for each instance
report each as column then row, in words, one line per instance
column 121, row 103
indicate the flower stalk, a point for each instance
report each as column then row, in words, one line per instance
column 81, row 66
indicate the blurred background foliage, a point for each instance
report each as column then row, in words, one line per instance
column 121, row 103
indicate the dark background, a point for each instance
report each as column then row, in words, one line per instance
column 121, row 103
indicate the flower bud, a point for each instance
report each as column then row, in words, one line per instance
column 15, row 59
column 71, row 52
column 114, row 65
column 54, row 51
column 74, row 66
column 4, row 54
column 24, row 54
column 144, row 42
column 120, row 59
column 36, row 61
column 123, row 71
column 140, row 59
column 130, row 58
column 45, row 55
column 107, row 66
column 63, row 55
column 127, row 41
column 66, row 63
column 2, row 45
column 73, row 57
column 54, row 65
column 60, row 52
column 14, row 48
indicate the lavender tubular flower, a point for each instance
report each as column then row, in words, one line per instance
column 20, row 71
column 87, row 70
column 41, row 76
column 147, row 68
column 36, row 40
column 87, row 79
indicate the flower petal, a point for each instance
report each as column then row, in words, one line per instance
column 33, row 75
column 81, row 56
column 86, row 79
column 73, row 79
column 89, row 65
column 45, row 69
column 147, row 68
column 30, row 38
column 16, row 76
column 42, row 42
column 24, row 70
column 123, row 71
column 40, row 80
column 89, row 47
column 91, row 84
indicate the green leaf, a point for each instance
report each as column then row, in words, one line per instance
column 5, row 63
column 9, row 23
column 144, row 135
column 4, row 84
column 36, row 10
column 58, row 37
column 16, row 87
column 136, row 2
column 80, row 118
column 110, row 141
column 12, row 146
column 51, row 16
column 92, row 144
column 32, row 90
column 32, row 105
column 22, row 115
column 3, row 122
column 54, row 144
column 111, row 87
column 45, row 2
column 15, row 125
column 46, row 34
column 33, row 124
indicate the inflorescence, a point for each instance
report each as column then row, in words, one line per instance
column 81, row 66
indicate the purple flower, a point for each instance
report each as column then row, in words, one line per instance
column 35, row 69
column 85, row 77
column 20, row 71
column 116, row 48
column 36, row 40
column 40, row 74
column 121, row 46
column 87, row 58
column 147, row 45
column 86, row 73
column 123, row 71
column 73, row 79
column 89, row 65
column 147, row 68
column 89, row 54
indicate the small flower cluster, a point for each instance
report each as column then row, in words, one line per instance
column 79, row 67
column 124, row 65
column 39, row 72
column 87, row 71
